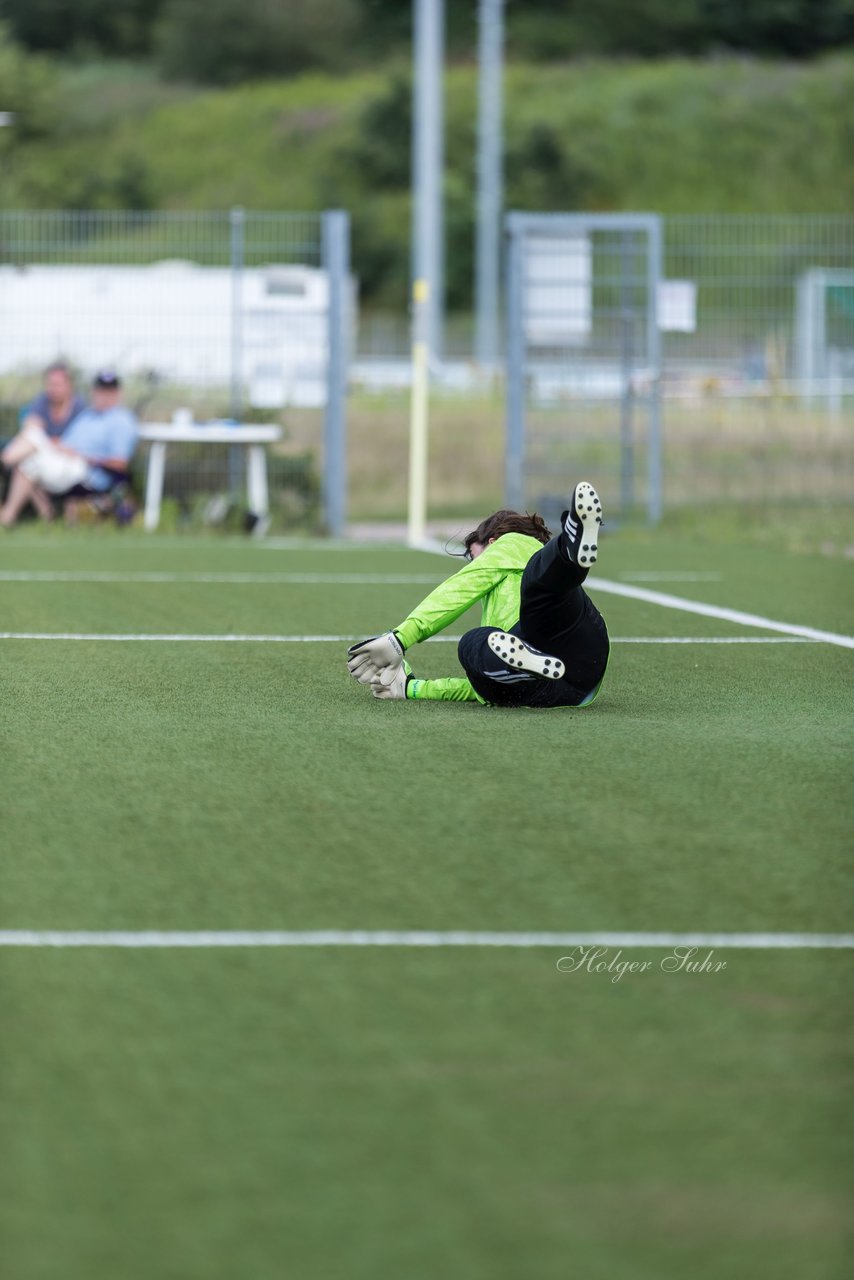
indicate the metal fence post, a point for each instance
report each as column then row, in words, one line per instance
column 427, row 165
column 336, row 263
column 655, row 461
column 489, row 182
column 514, row 454
column 628, row 246
column 236, row 240
column 236, row 222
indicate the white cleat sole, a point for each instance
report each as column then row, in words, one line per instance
column 517, row 654
column 589, row 510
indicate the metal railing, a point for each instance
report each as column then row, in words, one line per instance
column 755, row 373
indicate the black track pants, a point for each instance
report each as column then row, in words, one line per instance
column 556, row 616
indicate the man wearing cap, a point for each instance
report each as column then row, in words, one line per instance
column 92, row 454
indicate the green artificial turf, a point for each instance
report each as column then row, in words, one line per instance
column 382, row 1112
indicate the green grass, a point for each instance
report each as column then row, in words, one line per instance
column 362, row 1113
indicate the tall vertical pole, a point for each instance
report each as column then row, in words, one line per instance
column 627, row 321
column 336, row 264
column 514, row 447
column 489, row 181
column 236, row 458
column 416, row 532
column 427, row 160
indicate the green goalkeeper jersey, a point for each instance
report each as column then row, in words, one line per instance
column 495, row 579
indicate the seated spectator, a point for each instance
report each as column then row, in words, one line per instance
column 58, row 404
column 90, row 457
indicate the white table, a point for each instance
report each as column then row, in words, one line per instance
column 250, row 436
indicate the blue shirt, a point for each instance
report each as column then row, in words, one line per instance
column 111, row 434
column 40, row 408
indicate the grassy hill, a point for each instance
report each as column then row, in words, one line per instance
column 726, row 135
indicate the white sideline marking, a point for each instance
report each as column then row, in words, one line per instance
column 695, row 606
column 318, row 544
column 712, row 640
column 326, row 579
column 388, row 938
column 652, row 575
column 442, row 639
column 194, row 639
column 232, row 542
column 715, row 611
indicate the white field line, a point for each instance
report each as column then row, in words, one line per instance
column 716, row 611
column 694, row 606
column 233, row 542
column 390, row 938
column 153, row 638
column 652, row 575
column 321, row 544
column 323, row 579
column 237, row 577
column 597, row 584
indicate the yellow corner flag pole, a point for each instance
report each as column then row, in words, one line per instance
column 417, row 525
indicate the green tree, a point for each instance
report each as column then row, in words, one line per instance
column 381, row 154
column 121, row 27
column 228, row 41
column 549, row 30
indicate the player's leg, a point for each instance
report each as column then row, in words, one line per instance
column 500, row 670
column 552, row 599
column 30, row 440
column 552, row 602
column 491, row 666
column 22, row 490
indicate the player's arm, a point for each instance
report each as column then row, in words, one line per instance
column 447, row 602
column 404, row 687
column 118, row 465
column 122, row 444
column 450, row 600
column 110, row 464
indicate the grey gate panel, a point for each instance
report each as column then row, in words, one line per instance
column 583, row 359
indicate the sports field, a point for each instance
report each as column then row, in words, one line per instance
column 320, row 1109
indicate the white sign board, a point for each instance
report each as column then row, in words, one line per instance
column 558, row 292
column 677, row 306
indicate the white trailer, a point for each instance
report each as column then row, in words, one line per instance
column 264, row 328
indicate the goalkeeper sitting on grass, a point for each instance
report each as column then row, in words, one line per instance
column 542, row 643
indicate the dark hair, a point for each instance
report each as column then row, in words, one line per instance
column 504, row 521
column 60, row 366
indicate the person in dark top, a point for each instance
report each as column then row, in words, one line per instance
column 56, row 407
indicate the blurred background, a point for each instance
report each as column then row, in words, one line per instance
column 167, row 169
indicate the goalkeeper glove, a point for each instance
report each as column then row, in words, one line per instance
column 395, row 689
column 377, row 658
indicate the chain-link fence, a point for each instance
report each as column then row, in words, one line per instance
column 238, row 316
column 748, row 353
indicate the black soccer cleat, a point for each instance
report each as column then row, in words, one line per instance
column 524, row 657
column 581, row 525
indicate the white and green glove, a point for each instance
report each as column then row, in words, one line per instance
column 395, row 689
column 377, row 658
